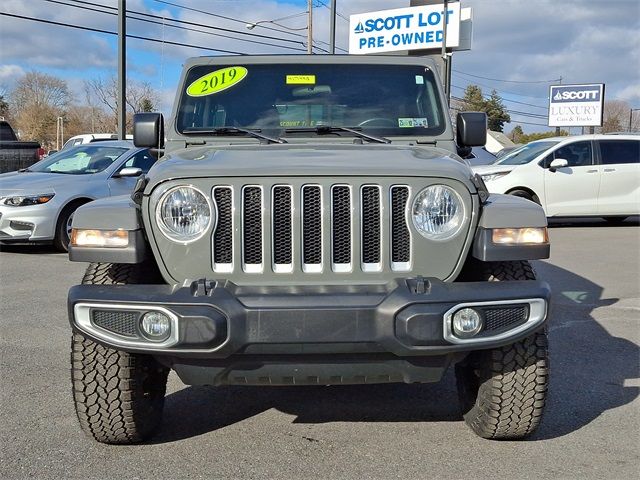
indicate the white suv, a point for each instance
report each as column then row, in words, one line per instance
column 586, row 175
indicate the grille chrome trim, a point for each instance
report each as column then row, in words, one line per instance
column 375, row 266
column 252, row 267
column 282, row 267
column 223, row 267
column 341, row 267
column 408, row 265
column 311, row 267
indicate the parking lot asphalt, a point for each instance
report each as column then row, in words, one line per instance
column 591, row 428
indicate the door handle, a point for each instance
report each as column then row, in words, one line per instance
column 609, row 169
column 592, row 171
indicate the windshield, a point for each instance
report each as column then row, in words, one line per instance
column 524, row 154
column 382, row 99
column 79, row 160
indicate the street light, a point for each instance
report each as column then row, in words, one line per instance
column 308, row 28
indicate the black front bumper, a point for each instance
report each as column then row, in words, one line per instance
column 218, row 320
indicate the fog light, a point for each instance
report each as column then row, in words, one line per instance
column 466, row 323
column 156, row 325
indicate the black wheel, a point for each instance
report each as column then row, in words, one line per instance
column 502, row 391
column 63, row 227
column 615, row 220
column 119, row 396
column 525, row 194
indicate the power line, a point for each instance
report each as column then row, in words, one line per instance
column 507, row 81
column 504, row 91
column 517, row 113
column 507, row 100
column 156, row 22
column 137, row 37
column 324, row 4
column 297, row 42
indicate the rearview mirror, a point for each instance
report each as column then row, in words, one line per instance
column 129, row 172
column 471, row 129
column 148, row 130
column 558, row 163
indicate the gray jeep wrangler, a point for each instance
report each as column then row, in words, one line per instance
column 309, row 223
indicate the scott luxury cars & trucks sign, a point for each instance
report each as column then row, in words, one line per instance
column 576, row 105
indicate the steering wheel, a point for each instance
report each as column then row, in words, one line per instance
column 377, row 122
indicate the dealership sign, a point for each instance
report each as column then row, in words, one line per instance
column 412, row 28
column 576, row 105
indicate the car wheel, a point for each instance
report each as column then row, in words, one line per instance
column 525, row 194
column 63, row 228
column 119, row 396
column 502, row 391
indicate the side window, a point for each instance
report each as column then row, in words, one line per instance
column 546, row 161
column 619, row 151
column 142, row 160
column 578, row 154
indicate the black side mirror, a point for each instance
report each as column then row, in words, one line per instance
column 471, row 129
column 148, row 130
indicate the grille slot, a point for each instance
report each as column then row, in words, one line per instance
column 312, row 228
column 498, row 319
column 223, row 236
column 252, row 230
column 370, row 228
column 121, row 322
column 282, row 228
column 341, row 228
column 400, row 235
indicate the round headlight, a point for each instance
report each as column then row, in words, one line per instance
column 438, row 212
column 184, row 214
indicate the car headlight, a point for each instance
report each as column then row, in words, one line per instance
column 27, row 200
column 493, row 176
column 184, row 214
column 438, row 212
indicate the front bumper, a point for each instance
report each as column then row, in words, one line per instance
column 216, row 320
column 31, row 223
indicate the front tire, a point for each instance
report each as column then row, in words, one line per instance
column 119, row 396
column 503, row 391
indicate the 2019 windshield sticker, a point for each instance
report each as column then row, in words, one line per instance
column 217, row 81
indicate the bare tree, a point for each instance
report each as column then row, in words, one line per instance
column 141, row 97
column 37, row 100
column 615, row 117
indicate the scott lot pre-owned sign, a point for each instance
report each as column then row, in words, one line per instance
column 404, row 29
column 576, row 105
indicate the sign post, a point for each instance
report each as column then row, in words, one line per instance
column 576, row 105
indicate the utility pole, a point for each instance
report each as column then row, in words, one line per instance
column 332, row 34
column 445, row 58
column 122, row 69
column 631, row 110
column 557, row 128
column 310, row 28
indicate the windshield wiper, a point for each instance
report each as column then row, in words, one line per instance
column 326, row 129
column 22, row 170
column 255, row 133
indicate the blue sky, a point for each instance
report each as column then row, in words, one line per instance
column 514, row 41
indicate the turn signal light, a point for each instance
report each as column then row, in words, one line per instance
column 518, row 236
column 99, row 238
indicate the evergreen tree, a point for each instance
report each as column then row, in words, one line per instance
column 497, row 115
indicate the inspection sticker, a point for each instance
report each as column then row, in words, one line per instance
column 412, row 122
column 217, row 81
column 301, row 79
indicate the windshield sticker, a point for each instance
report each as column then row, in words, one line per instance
column 301, row 79
column 412, row 122
column 217, row 81
column 419, row 80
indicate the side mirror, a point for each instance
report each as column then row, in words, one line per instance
column 558, row 163
column 471, row 129
column 148, row 130
column 129, row 172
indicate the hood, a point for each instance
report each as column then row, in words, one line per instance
column 32, row 182
column 489, row 169
column 309, row 160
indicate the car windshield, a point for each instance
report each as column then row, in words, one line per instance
column 524, row 154
column 79, row 160
column 293, row 100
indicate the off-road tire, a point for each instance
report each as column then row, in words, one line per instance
column 502, row 391
column 119, row 396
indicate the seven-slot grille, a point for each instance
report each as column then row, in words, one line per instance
column 295, row 223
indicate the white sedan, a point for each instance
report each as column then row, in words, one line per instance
column 586, row 175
